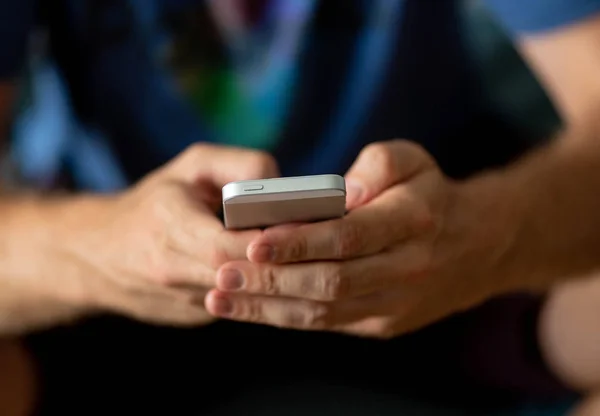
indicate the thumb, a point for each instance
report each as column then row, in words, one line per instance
column 219, row 165
column 382, row 165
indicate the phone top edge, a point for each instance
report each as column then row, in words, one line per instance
column 284, row 196
column 283, row 185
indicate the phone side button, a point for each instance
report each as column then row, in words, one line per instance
column 253, row 188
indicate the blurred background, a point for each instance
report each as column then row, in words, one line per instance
column 51, row 144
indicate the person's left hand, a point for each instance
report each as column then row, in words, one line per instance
column 407, row 254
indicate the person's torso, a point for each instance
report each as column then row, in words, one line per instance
column 315, row 83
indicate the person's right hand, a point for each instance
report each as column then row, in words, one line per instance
column 152, row 252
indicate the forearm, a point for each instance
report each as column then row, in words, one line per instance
column 37, row 235
column 40, row 276
column 545, row 211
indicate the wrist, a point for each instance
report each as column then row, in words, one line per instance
column 72, row 243
column 489, row 211
column 539, row 216
column 46, row 277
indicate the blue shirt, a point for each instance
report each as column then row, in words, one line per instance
column 360, row 77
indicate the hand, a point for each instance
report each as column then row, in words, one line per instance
column 152, row 253
column 405, row 256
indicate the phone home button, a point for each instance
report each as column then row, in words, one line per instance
column 253, row 188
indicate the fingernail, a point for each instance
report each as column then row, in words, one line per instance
column 264, row 253
column 230, row 280
column 353, row 193
column 223, row 307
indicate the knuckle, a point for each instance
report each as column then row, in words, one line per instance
column 386, row 332
column 162, row 274
column 380, row 156
column 268, row 282
column 423, row 219
column 297, row 248
column 261, row 165
column 250, row 311
column 413, row 148
column 194, row 155
column 408, row 146
column 384, row 329
column 247, row 309
column 195, row 150
column 333, row 284
column 192, row 315
column 349, row 239
column 161, row 201
column 191, row 155
column 317, row 316
column 216, row 256
column 423, row 266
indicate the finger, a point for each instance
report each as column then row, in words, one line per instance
column 382, row 165
column 382, row 327
column 179, row 270
column 171, row 311
column 163, row 306
column 399, row 311
column 221, row 165
column 198, row 251
column 289, row 313
column 230, row 246
column 392, row 217
column 329, row 280
column 202, row 237
column 379, row 327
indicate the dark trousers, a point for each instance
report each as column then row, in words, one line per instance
column 465, row 364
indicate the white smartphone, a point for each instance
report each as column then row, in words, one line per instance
column 267, row 202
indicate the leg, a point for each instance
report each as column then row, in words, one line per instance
column 569, row 332
column 229, row 368
column 570, row 339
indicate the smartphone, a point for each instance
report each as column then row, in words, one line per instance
column 268, row 202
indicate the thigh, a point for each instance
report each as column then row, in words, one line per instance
column 211, row 369
column 570, row 334
column 107, row 362
column 113, row 366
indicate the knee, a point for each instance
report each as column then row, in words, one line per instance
column 589, row 407
column 569, row 333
